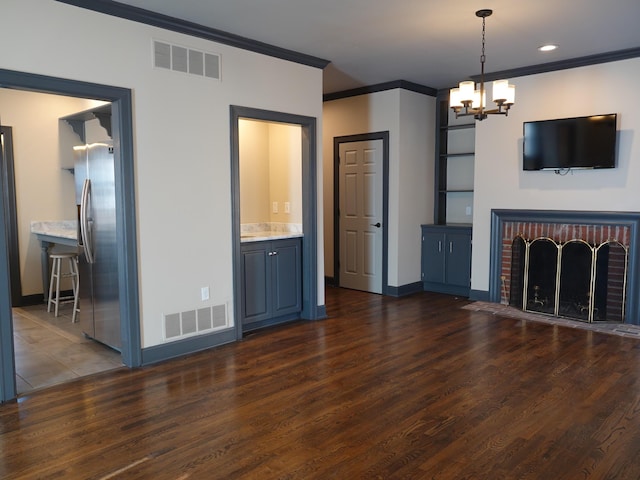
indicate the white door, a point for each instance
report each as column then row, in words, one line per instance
column 360, row 215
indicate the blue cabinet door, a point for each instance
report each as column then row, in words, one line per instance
column 458, row 259
column 286, row 276
column 433, row 258
column 256, row 271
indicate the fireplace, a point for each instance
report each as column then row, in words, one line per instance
column 578, row 265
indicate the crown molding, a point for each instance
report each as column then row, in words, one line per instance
column 381, row 87
column 553, row 67
column 166, row 22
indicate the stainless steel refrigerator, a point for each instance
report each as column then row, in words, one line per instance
column 99, row 314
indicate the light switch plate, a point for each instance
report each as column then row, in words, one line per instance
column 275, row 207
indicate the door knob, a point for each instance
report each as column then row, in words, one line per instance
column 377, row 225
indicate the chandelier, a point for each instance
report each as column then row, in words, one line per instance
column 468, row 100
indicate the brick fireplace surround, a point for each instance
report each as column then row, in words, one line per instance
column 561, row 226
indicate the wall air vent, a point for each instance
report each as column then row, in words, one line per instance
column 193, row 322
column 186, row 60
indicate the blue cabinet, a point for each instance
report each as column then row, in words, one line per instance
column 271, row 282
column 446, row 259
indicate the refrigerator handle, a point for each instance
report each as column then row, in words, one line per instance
column 84, row 221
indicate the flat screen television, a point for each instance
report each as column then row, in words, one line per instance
column 580, row 142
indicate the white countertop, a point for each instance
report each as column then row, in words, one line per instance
column 62, row 229
column 260, row 236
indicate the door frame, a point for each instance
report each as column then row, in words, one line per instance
column 7, row 179
column 310, row 308
column 122, row 126
column 337, row 141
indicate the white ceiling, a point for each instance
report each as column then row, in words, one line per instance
column 435, row 43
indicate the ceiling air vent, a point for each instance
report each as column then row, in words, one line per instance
column 186, row 60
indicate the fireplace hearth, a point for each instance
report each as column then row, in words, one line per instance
column 578, row 265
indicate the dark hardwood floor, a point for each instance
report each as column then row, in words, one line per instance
column 385, row 388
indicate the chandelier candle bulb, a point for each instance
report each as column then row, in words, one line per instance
column 455, row 100
column 476, row 99
column 500, row 90
column 511, row 95
column 467, row 90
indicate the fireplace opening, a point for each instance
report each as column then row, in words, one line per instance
column 573, row 242
column 572, row 279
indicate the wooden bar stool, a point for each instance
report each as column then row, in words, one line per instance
column 54, row 284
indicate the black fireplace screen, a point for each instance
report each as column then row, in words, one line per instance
column 571, row 279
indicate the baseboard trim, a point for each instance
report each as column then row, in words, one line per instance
column 37, row 299
column 404, row 290
column 446, row 289
column 166, row 351
column 479, row 295
column 320, row 313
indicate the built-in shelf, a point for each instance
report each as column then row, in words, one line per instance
column 77, row 120
column 464, row 154
column 458, row 127
column 455, row 159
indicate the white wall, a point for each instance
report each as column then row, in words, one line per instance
column 415, row 184
column 409, row 117
column 500, row 181
column 181, row 134
column 42, row 146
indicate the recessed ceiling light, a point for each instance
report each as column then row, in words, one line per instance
column 547, row 48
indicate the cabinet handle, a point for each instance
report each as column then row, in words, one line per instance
column 439, row 245
column 271, row 254
column 450, row 247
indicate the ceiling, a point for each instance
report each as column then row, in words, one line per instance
column 435, row 43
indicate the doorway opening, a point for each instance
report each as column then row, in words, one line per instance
column 124, row 218
column 305, row 191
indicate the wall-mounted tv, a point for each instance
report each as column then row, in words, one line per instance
column 580, row 142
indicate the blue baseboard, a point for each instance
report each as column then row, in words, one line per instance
column 167, row 351
column 159, row 353
column 404, row 290
column 445, row 288
column 479, row 295
column 320, row 313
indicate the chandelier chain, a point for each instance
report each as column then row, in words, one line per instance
column 482, row 57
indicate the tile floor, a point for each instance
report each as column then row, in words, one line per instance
column 51, row 350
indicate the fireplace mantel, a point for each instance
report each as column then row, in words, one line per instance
column 631, row 220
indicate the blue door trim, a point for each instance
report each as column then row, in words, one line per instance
column 310, row 308
column 122, row 124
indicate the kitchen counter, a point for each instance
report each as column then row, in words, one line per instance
column 49, row 234
column 65, row 231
